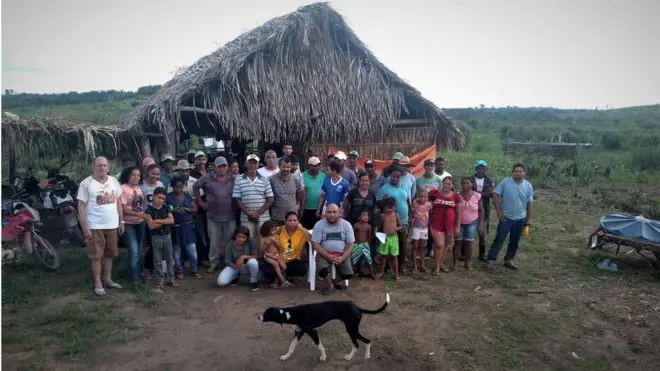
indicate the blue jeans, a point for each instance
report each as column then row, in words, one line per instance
column 512, row 228
column 133, row 237
column 229, row 274
column 191, row 252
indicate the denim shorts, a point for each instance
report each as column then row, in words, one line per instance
column 468, row 231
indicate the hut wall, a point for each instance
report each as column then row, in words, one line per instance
column 408, row 141
column 559, row 150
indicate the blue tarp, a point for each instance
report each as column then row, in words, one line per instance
column 635, row 227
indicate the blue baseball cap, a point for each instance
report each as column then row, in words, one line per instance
column 481, row 163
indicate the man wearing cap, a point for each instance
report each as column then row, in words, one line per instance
column 351, row 163
column 375, row 181
column 218, row 188
column 313, row 180
column 429, row 180
column 253, row 195
column 200, row 165
column 200, row 217
column 271, row 164
column 287, row 191
column 483, row 185
column 395, row 164
column 167, row 173
column 347, row 174
column 407, row 180
column 183, row 169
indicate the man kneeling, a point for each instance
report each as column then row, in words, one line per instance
column 333, row 239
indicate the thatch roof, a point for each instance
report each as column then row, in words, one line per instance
column 303, row 76
column 33, row 135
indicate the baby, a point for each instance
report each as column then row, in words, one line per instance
column 270, row 245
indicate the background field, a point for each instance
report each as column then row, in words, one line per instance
column 558, row 312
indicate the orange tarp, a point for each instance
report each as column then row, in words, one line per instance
column 417, row 160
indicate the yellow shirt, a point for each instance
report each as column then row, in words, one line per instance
column 291, row 246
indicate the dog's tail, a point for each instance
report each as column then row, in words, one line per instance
column 387, row 302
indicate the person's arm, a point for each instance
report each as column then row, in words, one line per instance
column 300, row 194
column 199, row 184
column 487, row 191
column 308, row 236
column 83, row 197
column 481, row 213
column 229, row 256
column 347, row 203
column 319, row 207
column 169, row 220
column 316, row 244
column 193, row 206
column 459, row 212
column 270, row 198
column 120, row 212
column 496, row 201
column 350, row 241
column 399, row 225
column 151, row 223
column 254, row 251
column 530, row 200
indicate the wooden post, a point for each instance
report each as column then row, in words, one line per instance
column 12, row 161
column 146, row 147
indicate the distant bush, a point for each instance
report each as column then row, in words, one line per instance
column 646, row 158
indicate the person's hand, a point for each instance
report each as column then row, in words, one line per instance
column 318, row 213
column 336, row 260
column 528, row 221
column 240, row 261
column 121, row 229
column 253, row 217
column 501, row 217
column 147, row 218
column 480, row 228
column 457, row 231
column 203, row 204
column 87, row 232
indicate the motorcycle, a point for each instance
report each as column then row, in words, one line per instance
column 20, row 234
column 62, row 197
column 27, row 188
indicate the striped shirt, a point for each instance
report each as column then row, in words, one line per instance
column 218, row 196
column 253, row 194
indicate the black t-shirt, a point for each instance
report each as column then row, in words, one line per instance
column 162, row 213
column 359, row 203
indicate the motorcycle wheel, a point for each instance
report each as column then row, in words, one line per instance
column 45, row 252
column 78, row 235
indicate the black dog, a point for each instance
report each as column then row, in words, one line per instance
column 308, row 317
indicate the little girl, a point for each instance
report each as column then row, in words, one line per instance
column 420, row 230
column 270, row 246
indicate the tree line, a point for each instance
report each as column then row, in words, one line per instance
column 10, row 99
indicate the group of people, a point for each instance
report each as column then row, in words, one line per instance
column 172, row 216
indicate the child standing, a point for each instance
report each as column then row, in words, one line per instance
column 420, row 230
column 159, row 220
column 270, row 245
column 362, row 250
column 390, row 225
column 183, row 231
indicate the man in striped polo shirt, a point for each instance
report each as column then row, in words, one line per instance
column 218, row 188
column 254, row 196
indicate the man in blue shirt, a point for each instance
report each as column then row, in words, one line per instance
column 513, row 199
column 333, row 190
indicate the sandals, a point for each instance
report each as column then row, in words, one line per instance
column 286, row 284
column 198, row 276
column 173, row 284
column 179, row 276
column 100, row 292
column 113, row 285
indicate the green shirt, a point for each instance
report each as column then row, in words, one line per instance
column 312, row 189
column 435, row 182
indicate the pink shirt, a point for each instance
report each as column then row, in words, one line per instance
column 470, row 209
column 133, row 197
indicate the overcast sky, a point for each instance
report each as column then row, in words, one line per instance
column 562, row 53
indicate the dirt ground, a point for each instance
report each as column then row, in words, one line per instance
column 558, row 312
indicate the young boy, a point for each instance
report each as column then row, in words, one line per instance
column 362, row 250
column 159, row 220
column 420, row 228
column 390, row 225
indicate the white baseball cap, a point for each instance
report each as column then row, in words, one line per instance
column 313, row 161
column 252, row 157
column 341, row 155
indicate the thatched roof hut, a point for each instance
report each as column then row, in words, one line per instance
column 303, row 77
column 32, row 135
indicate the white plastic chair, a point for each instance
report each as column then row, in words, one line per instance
column 311, row 273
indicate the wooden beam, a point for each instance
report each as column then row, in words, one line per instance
column 403, row 122
column 151, row 135
column 206, row 111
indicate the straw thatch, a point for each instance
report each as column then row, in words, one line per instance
column 32, row 135
column 302, row 77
